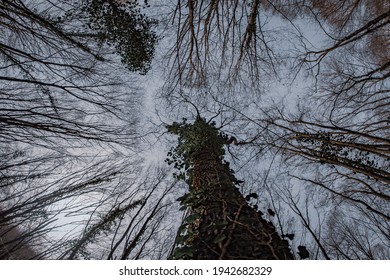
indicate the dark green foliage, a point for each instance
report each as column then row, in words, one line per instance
column 303, row 252
column 192, row 137
column 251, row 195
column 220, row 224
column 339, row 148
column 271, row 212
column 123, row 25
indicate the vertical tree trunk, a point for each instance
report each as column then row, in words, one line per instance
column 220, row 224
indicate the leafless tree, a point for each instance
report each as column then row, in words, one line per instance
column 67, row 126
column 332, row 137
column 337, row 138
column 219, row 40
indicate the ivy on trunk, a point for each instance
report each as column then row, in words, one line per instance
column 220, row 223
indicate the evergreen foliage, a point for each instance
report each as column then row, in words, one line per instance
column 220, row 223
column 123, row 25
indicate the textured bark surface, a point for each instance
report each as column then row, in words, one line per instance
column 221, row 224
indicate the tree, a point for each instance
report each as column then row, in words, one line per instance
column 219, row 40
column 337, row 138
column 220, row 224
column 122, row 25
column 135, row 226
column 13, row 243
column 332, row 136
column 67, row 117
column 301, row 86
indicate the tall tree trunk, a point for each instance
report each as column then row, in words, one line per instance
column 220, row 224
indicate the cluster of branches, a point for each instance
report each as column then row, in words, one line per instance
column 219, row 40
column 67, row 121
column 334, row 138
column 68, row 125
column 338, row 137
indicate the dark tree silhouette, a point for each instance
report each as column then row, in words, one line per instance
column 331, row 140
column 67, row 117
column 220, row 224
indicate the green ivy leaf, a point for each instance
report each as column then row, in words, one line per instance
column 181, row 252
column 221, row 237
column 221, row 223
column 192, row 218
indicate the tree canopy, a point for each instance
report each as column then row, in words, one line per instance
column 292, row 95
